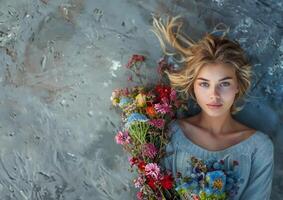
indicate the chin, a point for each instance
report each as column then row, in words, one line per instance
column 216, row 113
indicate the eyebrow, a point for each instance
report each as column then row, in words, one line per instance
column 225, row 78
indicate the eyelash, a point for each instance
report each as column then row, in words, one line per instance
column 225, row 84
column 205, row 84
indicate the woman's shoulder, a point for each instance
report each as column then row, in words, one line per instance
column 172, row 127
column 173, row 132
column 263, row 141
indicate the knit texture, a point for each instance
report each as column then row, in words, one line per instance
column 254, row 155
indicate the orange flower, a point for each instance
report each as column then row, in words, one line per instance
column 141, row 165
column 150, row 110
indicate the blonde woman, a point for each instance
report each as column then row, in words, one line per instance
column 216, row 74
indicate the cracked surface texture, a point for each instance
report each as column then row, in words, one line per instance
column 60, row 61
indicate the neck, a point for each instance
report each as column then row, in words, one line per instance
column 216, row 125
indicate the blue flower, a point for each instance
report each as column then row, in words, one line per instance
column 124, row 101
column 209, row 162
column 216, row 181
column 135, row 117
column 216, row 165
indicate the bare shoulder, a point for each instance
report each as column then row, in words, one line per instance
column 242, row 128
column 189, row 125
column 189, row 120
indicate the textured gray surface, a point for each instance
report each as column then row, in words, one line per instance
column 60, row 61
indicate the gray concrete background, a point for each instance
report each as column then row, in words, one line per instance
column 60, row 61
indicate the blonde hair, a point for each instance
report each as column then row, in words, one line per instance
column 209, row 50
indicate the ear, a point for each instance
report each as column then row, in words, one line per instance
column 237, row 89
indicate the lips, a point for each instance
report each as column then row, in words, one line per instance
column 214, row 105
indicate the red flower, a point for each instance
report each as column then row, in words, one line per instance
column 167, row 182
column 151, row 182
column 163, row 91
column 133, row 161
column 134, row 59
column 141, row 165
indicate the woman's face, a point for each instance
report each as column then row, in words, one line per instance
column 215, row 88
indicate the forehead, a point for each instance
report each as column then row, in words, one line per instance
column 216, row 71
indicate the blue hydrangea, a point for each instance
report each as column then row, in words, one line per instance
column 217, row 165
column 209, row 162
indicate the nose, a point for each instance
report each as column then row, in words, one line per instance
column 214, row 94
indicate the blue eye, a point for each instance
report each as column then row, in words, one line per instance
column 225, row 84
column 204, row 84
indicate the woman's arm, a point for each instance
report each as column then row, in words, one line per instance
column 260, row 180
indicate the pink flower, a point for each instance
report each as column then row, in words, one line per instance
column 122, row 138
column 125, row 92
column 163, row 108
column 134, row 59
column 139, row 195
column 173, row 95
column 152, row 169
column 159, row 123
column 195, row 197
column 139, row 182
column 149, row 150
column 133, row 161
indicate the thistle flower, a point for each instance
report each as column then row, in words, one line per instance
column 149, row 150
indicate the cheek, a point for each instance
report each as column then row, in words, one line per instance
column 200, row 93
column 229, row 93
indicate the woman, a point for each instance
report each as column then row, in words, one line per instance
column 216, row 74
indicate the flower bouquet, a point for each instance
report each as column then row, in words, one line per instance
column 209, row 180
column 146, row 112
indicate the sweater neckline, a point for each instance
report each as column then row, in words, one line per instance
column 234, row 146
